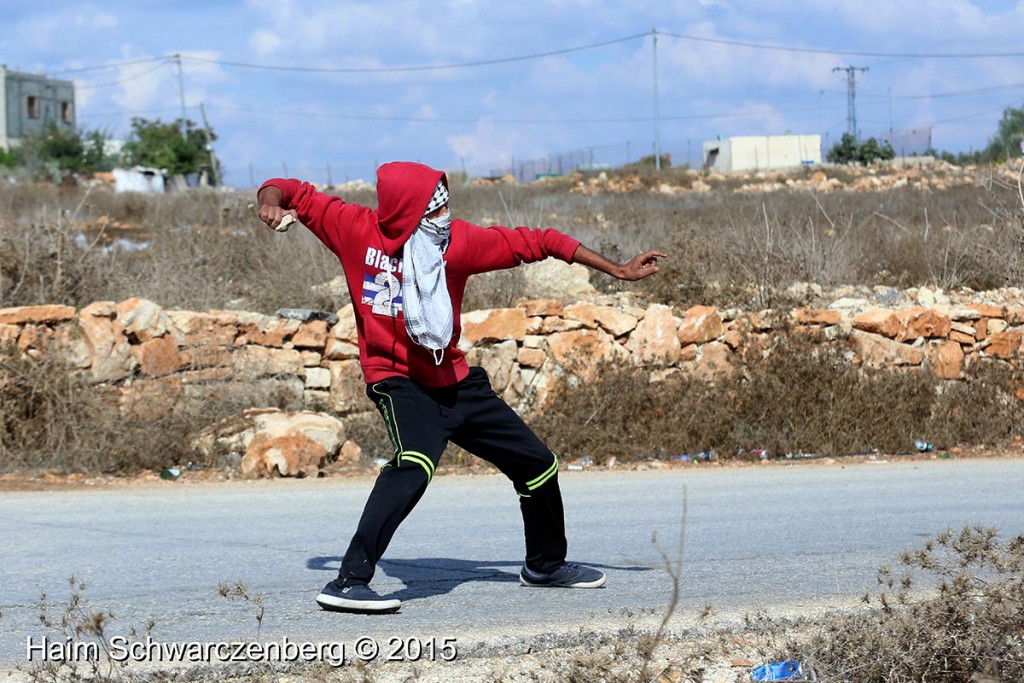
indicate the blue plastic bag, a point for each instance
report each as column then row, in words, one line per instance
column 778, row 671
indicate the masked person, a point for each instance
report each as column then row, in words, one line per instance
column 406, row 264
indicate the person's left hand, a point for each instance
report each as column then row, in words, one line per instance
column 640, row 266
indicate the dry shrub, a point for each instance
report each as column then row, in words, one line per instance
column 980, row 410
column 206, row 249
column 51, row 418
column 966, row 624
column 802, row 399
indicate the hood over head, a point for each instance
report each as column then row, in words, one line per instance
column 404, row 190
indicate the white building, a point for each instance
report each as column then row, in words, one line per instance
column 762, row 152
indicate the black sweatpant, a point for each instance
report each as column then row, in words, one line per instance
column 421, row 421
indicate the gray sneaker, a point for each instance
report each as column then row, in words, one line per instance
column 569, row 575
column 356, row 597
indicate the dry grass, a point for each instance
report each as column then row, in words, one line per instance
column 955, row 615
column 206, row 250
column 802, row 399
column 53, row 419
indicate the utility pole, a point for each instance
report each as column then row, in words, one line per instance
column 890, row 114
column 851, row 97
column 181, row 91
column 214, row 175
column 657, row 115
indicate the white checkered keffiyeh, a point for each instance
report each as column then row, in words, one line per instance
column 427, row 306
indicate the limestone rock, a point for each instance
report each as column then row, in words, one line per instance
column 343, row 339
column 141, row 319
column 204, row 329
column 311, row 335
column 879, row 321
column 917, row 323
column 348, row 390
column 111, row 357
column 543, row 307
column 701, row 324
column 656, row 338
column 817, row 316
column 556, row 279
column 946, row 359
column 260, row 361
column 1004, row 345
column 274, row 442
column 612, row 320
column 497, row 324
column 158, row 357
column 876, row 351
column 24, row 315
column 581, row 350
column 266, row 330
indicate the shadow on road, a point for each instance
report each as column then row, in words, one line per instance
column 430, row 576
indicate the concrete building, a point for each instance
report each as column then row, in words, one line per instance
column 29, row 103
column 762, row 152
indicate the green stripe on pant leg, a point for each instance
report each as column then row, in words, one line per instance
column 550, row 472
column 390, row 419
column 421, row 460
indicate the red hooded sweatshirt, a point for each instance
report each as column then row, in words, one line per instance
column 368, row 243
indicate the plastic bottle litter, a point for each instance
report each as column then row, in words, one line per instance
column 924, row 446
column 170, row 473
column 760, row 453
column 780, row 671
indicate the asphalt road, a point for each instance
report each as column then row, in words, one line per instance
column 785, row 539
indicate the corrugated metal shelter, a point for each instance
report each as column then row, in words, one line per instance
column 762, row 152
column 30, row 102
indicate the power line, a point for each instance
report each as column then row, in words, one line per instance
column 427, row 67
column 955, row 93
column 853, row 53
column 413, row 119
column 551, row 53
column 122, row 80
column 111, row 65
column 742, row 114
column 112, row 114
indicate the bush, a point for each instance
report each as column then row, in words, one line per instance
column 52, row 418
column 848, row 150
column 968, row 625
column 802, row 399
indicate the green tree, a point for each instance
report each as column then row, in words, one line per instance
column 844, row 151
column 168, row 146
column 868, row 152
column 94, row 151
column 9, row 158
column 58, row 152
column 1006, row 143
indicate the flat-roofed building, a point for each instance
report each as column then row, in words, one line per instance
column 762, row 152
column 29, row 103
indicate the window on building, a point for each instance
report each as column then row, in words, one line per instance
column 33, row 107
column 65, row 112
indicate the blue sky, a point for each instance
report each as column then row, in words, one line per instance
column 597, row 104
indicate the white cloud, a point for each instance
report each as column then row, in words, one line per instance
column 265, row 43
column 95, row 19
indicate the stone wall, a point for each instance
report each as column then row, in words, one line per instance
column 141, row 349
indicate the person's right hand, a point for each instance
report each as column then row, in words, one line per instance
column 272, row 215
